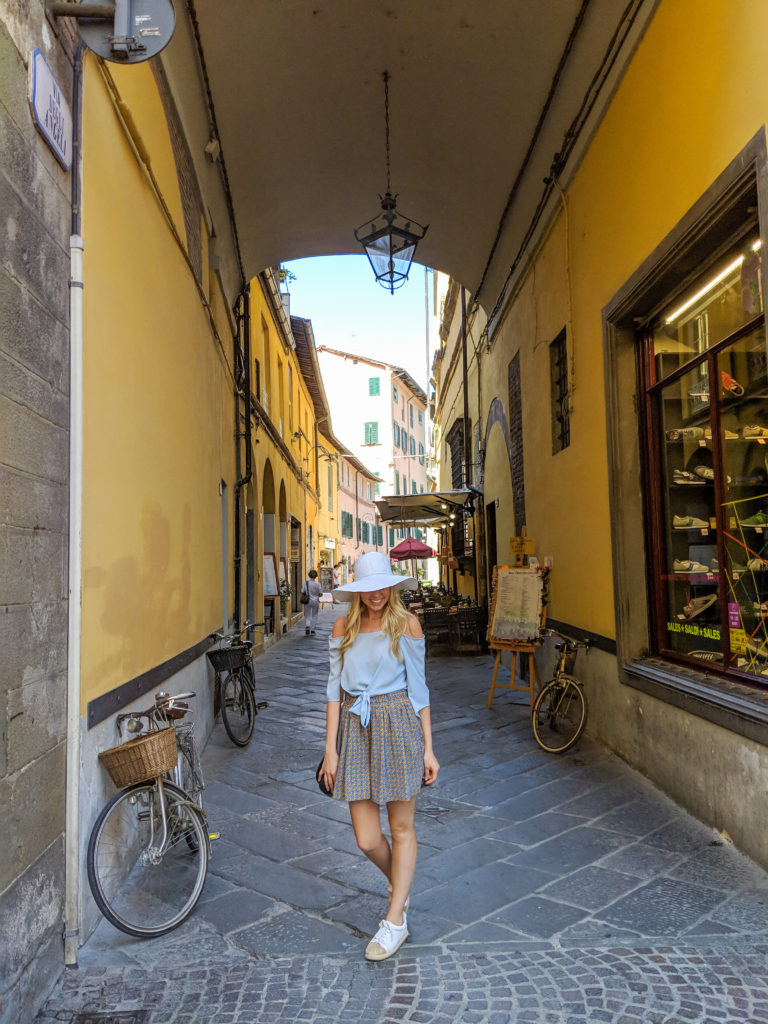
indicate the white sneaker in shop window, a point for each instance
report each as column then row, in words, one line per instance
column 689, row 523
column 688, row 565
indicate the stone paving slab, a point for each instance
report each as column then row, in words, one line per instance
column 549, row 889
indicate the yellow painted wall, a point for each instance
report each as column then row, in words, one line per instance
column 158, row 407
column 692, row 98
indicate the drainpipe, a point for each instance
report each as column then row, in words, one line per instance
column 467, row 435
column 244, row 331
column 72, row 794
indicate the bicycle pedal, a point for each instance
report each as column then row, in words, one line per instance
column 261, row 705
column 214, row 835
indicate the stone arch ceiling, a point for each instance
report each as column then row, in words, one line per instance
column 298, row 98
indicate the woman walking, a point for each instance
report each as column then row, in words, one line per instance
column 378, row 747
column 314, row 591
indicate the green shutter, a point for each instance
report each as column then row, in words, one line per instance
column 374, row 386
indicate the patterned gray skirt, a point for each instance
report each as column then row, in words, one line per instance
column 384, row 760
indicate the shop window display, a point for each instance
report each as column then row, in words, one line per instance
column 708, row 468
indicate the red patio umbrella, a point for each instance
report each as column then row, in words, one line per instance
column 413, row 549
column 410, row 548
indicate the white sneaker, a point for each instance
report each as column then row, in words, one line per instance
column 387, row 940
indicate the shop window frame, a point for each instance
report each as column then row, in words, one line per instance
column 707, row 229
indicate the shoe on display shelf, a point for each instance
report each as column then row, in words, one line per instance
column 729, row 384
column 697, row 605
column 706, row 655
column 714, row 565
column 707, row 473
column 728, row 435
column 758, row 519
column 754, row 431
column 756, row 565
column 761, row 607
column 756, row 476
column 689, row 523
column 685, row 433
column 689, row 565
column 682, row 476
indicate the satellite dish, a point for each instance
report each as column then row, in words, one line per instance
column 140, row 29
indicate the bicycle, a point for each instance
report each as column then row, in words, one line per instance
column 149, row 847
column 560, row 710
column 237, row 689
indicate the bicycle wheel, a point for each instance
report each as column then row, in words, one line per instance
column 238, row 709
column 559, row 715
column 141, row 889
column 189, row 771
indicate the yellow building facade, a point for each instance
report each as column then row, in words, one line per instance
column 201, row 506
column 617, row 384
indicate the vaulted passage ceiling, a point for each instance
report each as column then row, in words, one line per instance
column 483, row 94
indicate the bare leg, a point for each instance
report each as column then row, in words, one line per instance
column 404, row 852
column 371, row 840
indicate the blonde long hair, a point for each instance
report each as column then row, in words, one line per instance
column 394, row 620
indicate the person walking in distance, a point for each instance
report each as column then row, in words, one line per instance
column 314, row 591
column 378, row 746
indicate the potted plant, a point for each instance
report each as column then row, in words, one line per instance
column 285, row 593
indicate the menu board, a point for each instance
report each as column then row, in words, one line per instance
column 517, row 604
column 270, row 576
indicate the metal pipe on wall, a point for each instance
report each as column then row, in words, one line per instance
column 74, row 607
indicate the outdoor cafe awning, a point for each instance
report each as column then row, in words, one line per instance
column 407, row 509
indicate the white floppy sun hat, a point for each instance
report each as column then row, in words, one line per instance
column 373, row 572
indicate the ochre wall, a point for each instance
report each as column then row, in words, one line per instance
column 158, row 406
column 689, row 102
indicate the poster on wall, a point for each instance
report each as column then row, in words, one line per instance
column 270, row 575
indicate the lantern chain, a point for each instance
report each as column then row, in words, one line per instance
column 385, row 76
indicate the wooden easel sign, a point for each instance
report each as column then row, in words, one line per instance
column 517, row 606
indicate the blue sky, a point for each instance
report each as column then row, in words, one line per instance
column 350, row 311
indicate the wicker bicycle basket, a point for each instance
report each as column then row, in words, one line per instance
column 142, row 758
column 227, row 659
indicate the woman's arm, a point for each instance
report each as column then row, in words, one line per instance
column 331, row 759
column 332, row 716
column 431, row 766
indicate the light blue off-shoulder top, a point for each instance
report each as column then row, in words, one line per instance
column 370, row 669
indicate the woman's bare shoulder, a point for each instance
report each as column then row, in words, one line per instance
column 339, row 626
column 414, row 626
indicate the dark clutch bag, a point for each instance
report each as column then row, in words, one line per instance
column 320, row 783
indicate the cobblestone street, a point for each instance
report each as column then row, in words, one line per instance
column 548, row 889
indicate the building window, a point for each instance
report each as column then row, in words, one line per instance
column 397, row 482
column 374, row 386
column 413, row 445
column 396, row 434
column 560, row 394
column 380, row 536
column 410, row 413
column 454, row 445
column 346, row 524
column 377, row 489
column 705, row 381
column 371, row 433
column 421, row 454
column 422, row 489
column 421, row 417
column 366, row 530
column 391, row 537
column 414, row 487
column 394, row 393
column 368, row 491
column 404, row 440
